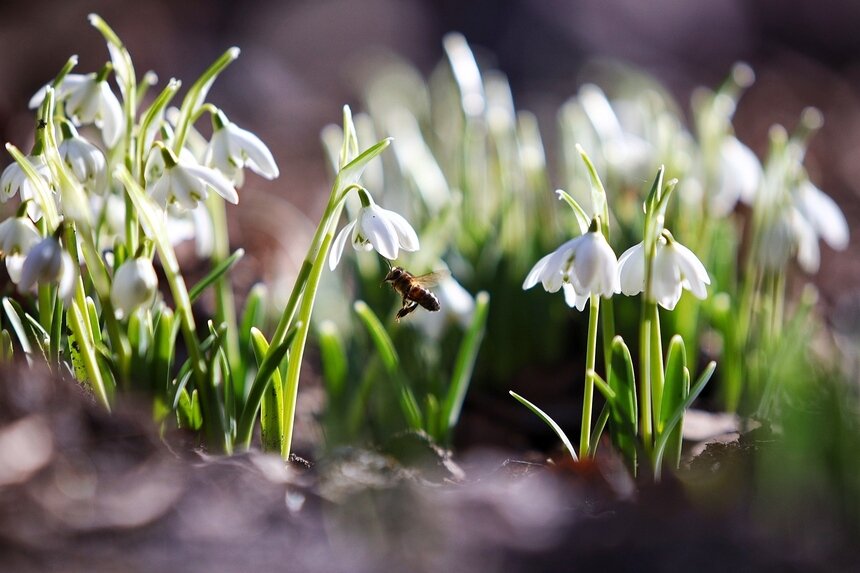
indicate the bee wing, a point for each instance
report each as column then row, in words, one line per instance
column 432, row 279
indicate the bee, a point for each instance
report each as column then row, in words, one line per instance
column 414, row 290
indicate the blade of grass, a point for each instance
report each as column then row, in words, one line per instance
column 549, row 422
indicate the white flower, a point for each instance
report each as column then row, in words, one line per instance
column 185, row 182
column 375, row 228
column 14, row 181
column 739, row 177
column 585, row 266
column 675, row 268
column 89, row 99
column 17, row 236
column 47, row 262
column 86, row 161
column 134, row 284
column 233, row 148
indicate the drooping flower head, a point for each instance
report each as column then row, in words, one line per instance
column 583, row 266
column 134, row 285
column 232, row 148
column 675, row 267
column 17, row 236
column 47, row 262
column 186, row 183
column 375, row 228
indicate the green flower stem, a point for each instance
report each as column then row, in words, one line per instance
column 608, row 323
column 645, row 426
column 590, row 358
column 225, row 308
column 291, row 385
column 656, row 361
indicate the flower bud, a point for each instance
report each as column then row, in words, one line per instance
column 134, row 284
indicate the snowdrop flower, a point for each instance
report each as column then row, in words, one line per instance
column 17, row 236
column 185, row 182
column 233, row 148
column 377, row 229
column 14, row 181
column 584, row 266
column 85, row 160
column 740, row 174
column 89, row 99
column 134, row 284
column 47, row 262
column 797, row 227
column 675, row 268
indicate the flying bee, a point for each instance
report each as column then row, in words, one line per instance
column 414, row 290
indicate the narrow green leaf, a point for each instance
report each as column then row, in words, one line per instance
column 333, row 357
column 677, row 383
column 598, row 193
column 624, row 412
column 351, row 172
column 381, row 340
column 215, row 274
column 465, row 363
column 411, row 410
column 7, row 351
column 271, row 428
column 40, row 335
column 264, row 377
column 162, row 351
column 604, row 388
column 678, row 415
column 599, row 426
column 582, row 218
column 12, row 309
column 549, row 422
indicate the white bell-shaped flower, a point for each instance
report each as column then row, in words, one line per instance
column 85, row 160
column 584, row 266
column 185, row 182
column 377, row 229
column 740, row 175
column 17, row 236
column 89, row 100
column 134, row 285
column 14, row 181
column 675, row 268
column 232, row 148
column 47, row 262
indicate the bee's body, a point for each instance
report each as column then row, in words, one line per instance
column 413, row 290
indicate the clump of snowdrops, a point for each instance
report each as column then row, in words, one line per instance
column 108, row 189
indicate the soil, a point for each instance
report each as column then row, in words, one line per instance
column 85, row 490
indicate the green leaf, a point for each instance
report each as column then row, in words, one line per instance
column 582, row 218
column 14, row 313
column 215, row 274
column 624, row 410
column 678, row 414
column 351, row 172
column 599, row 426
column 677, row 385
column 333, row 357
column 410, row 408
column 188, row 410
column 465, row 364
column 379, row 336
column 162, row 350
column 271, row 428
column 6, row 349
column 264, row 377
column 598, row 193
column 549, row 422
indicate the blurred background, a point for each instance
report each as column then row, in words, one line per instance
column 302, row 60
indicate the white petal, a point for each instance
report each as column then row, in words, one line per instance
column 692, row 270
column 740, row 177
column 111, row 115
column 204, row 232
column 218, row 182
column 573, row 299
column 535, row 274
column 338, row 245
column 666, row 279
column 68, row 277
column 824, row 215
column 14, row 264
column 558, row 265
column 631, row 270
column 406, row 235
column 374, row 226
column 808, row 253
column 260, row 159
column 43, row 264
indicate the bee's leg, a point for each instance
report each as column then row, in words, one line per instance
column 408, row 307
